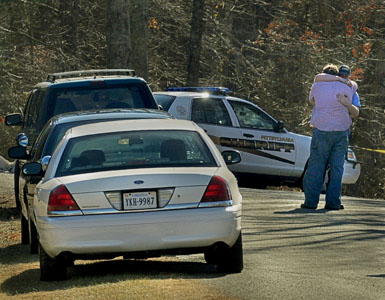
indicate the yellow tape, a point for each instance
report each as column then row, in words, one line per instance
column 372, row 150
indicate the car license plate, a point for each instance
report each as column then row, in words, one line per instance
column 141, row 200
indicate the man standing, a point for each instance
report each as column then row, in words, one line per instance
column 331, row 119
column 344, row 72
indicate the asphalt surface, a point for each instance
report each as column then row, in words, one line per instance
column 293, row 253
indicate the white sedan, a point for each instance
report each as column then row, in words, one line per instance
column 136, row 188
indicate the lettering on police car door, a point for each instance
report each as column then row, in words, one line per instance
column 267, row 143
column 257, row 144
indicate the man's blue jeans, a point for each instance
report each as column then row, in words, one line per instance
column 328, row 148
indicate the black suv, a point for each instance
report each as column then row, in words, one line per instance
column 78, row 91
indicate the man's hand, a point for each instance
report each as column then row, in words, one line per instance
column 344, row 100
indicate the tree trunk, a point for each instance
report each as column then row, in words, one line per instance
column 69, row 37
column 118, row 36
column 139, row 20
column 195, row 45
column 68, row 20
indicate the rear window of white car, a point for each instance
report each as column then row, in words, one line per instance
column 134, row 149
column 210, row 111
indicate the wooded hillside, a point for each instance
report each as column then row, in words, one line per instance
column 264, row 51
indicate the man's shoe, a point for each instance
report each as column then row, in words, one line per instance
column 308, row 207
column 334, row 208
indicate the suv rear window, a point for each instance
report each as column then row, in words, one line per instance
column 94, row 97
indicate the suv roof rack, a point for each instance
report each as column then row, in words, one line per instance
column 52, row 77
column 208, row 89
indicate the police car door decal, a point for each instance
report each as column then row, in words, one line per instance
column 257, row 147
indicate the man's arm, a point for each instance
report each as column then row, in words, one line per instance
column 353, row 110
column 311, row 97
column 328, row 77
column 322, row 77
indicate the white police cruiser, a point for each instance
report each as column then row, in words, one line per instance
column 270, row 153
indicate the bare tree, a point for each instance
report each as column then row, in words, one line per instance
column 118, row 35
column 139, row 20
column 195, row 45
column 68, row 23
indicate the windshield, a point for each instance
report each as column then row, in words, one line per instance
column 138, row 149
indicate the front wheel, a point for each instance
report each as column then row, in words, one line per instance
column 230, row 259
column 51, row 269
column 24, row 230
column 16, row 174
column 33, row 241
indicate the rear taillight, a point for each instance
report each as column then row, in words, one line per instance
column 217, row 190
column 60, row 199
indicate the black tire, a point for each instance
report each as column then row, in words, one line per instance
column 51, row 269
column 210, row 257
column 24, row 230
column 16, row 174
column 33, row 240
column 230, row 259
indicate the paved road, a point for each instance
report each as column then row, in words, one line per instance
column 292, row 253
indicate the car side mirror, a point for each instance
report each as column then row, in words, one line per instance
column 279, row 126
column 13, row 120
column 22, row 140
column 45, row 161
column 231, row 157
column 18, row 152
column 32, row 169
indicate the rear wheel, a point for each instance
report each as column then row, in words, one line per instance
column 210, row 256
column 51, row 269
column 24, row 230
column 230, row 259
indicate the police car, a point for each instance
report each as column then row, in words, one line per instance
column 271, row 155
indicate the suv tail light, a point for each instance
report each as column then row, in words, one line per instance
column 217, row 190
column 60, row 199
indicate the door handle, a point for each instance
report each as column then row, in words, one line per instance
column 248, row 135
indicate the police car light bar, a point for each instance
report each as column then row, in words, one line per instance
column 209, row 89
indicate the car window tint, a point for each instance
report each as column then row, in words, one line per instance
column 210, row 111
column 58, row 132
column 91, row 98
column 32, row 112
column 250, row 116
column 27, row 107
column 140, row 149
column 165, row 100
column 38, row 146
column 56, row 135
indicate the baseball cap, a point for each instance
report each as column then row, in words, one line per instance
column 344, row 69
